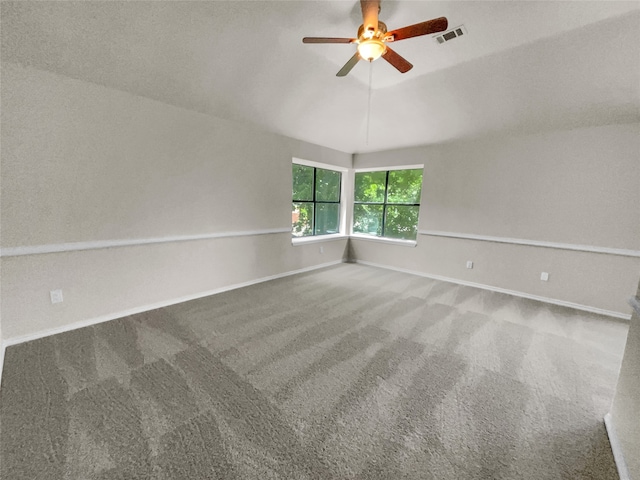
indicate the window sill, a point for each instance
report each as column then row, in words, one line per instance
column 297, row 241
column 392, row 241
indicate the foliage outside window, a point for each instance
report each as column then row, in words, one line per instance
column 387, row 203
column 316, row 201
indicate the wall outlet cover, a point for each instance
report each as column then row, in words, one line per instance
column 469, row 264
column 544, row 276
column 56, row 296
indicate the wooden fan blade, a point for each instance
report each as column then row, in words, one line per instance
column 348, row 66
column 396, row 60
column 370, row 9
column 327, row 40
column 425, row 28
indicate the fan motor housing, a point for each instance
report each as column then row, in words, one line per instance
column 382, row 30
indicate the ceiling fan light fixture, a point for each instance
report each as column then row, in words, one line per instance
column 371, row 49
column 373, row 35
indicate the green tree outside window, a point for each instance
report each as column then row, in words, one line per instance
column 387, row 203
column 316, row 201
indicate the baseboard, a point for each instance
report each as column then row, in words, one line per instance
column 145, row 308
column 616, row 448
column 515, row 293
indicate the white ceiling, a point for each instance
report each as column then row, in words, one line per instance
column 523, row 67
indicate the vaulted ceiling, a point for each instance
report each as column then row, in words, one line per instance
column 522, row 67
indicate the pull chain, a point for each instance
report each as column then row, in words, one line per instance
column 369, row 100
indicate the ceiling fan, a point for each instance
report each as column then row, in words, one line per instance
column 373, row 38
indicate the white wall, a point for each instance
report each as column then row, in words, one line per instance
column 85, row 163
column 626, row 404
column 576, row 187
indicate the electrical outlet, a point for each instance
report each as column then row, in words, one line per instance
column 56, row 296
column 321, row 249
column 469, row 264
column 544, row 276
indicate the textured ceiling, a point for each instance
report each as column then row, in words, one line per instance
column 523, row 67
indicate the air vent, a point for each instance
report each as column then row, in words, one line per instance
column 451, row 34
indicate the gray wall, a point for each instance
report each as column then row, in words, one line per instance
column 85, row 163
column 575, row 187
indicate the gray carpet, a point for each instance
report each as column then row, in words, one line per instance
column 349, row 372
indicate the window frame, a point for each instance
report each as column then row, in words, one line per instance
column 342, row 220
column 385, row 203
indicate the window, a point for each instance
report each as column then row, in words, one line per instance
column 316, row 201
column 387, row 203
